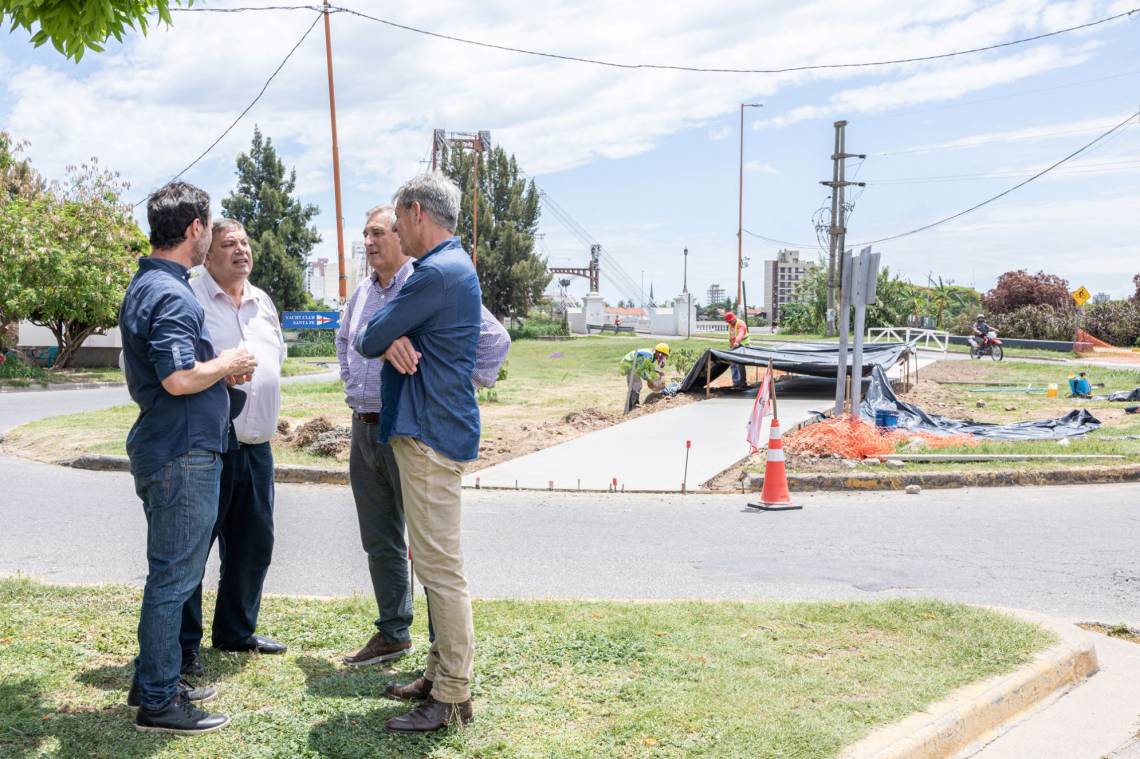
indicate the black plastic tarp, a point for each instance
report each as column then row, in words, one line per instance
column 880, row 395
column 812, row 359
column 1120, row 395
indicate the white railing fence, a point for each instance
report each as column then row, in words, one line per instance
column 923, row 337
column 710, row 326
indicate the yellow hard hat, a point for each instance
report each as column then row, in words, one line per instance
column 662, row 348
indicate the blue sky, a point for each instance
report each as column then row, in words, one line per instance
column 647, row 161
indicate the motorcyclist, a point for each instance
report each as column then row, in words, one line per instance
column 982, row 330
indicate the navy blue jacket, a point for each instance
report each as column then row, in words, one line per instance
column 164, row 331
column 438, row 309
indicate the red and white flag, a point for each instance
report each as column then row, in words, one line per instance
column 760, row 409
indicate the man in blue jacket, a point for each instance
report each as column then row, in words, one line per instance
column 428, row 335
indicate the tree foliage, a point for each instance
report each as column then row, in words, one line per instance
column 66, row 257
column 74, row 27
column 1116, row 322
column 17, row 177
column 1015, row 289
column 511, row 275
column 263, row 201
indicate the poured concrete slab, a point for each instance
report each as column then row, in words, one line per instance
column 646, row 453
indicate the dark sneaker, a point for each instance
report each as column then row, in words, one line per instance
column 431, row 715
column 205, row 693
column 417, row 690
column 179, row 717
column 377, row 649
column 258, row 643
column 192, row 664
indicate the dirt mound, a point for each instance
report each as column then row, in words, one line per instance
column 332, row 443
column 306, row 434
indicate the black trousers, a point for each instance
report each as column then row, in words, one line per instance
column 244, row 532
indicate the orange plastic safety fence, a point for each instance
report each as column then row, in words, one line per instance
column 856, row 439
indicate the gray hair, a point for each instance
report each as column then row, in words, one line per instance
column 221, row 225
column 437, row 195
column 387, row 209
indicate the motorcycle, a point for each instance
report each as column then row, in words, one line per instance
column 991, row 347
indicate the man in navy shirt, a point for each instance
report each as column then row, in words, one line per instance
column 429, row 414
column 175, row 447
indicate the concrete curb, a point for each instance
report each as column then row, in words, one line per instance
column 312, row 475
column 978, row 711
column 62, row 386
column 290, row 473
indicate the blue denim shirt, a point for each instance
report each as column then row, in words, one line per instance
column 439, row 310
column 164, row 331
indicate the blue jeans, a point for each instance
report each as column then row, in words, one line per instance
column 375, row 480
column 244, row 531
column 181, row 505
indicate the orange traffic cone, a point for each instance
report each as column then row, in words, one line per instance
column 775, row 495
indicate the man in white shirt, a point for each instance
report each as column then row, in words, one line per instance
column 239, row 314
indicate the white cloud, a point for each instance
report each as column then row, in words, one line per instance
column 1041, row 132
column 720, row 132
column 759, row 167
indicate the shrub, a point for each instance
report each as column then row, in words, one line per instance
column 683, row 359
column 537, row 326
column 1036, row 322
column 313, row 343
column 1016, row 289
column 1117, row 322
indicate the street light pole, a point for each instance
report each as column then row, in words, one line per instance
column 740, row 198
column 688, row 298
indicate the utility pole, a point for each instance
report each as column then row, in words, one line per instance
column 838, row 229
column 342, row 278
column 740, row 203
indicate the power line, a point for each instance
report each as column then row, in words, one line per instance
column 246, row 110
column 1100, row 167
column 777, row 241
column 1019, row 185
column 999, row 138
column 704, row 70
column 251, row 8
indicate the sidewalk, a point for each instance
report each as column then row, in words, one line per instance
column 1100, row 718
column 646, row 453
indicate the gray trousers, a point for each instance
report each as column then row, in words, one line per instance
column 632, row 390
column 375, row 480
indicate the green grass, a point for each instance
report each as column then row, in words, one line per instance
column 1010, row 351
column 17, row 373
column 552, row 678
column 296, row 366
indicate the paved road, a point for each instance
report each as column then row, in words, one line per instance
column 1067, row 551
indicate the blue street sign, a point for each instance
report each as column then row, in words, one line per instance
column 310, row 320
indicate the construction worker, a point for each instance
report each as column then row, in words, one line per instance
column 643, row 364
column 737, row 337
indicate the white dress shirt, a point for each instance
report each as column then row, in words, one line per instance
column 255, row 327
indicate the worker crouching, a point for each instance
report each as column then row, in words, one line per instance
column 643, row 364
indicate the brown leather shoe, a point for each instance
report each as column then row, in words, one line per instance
column 377, row 649
column 417, row 690
column 431, row 715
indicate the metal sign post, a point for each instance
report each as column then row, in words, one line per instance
column 866, row 277
column 844, row 325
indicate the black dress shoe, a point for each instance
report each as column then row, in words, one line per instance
column 431, row 715
column 205, row 693
column 192, row 664
column 256, row 643
column 179, row 717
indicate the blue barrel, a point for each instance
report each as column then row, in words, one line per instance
column 886, row 419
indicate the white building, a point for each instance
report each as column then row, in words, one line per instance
column 780, row 278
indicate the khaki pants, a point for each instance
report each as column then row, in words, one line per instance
column 430, row 485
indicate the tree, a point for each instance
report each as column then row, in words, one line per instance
column 263, row 202
column 17, row 177
column 73, row 27
column 1136, row 295
column 511, row 274
column 66, row 258
column 1015, row 289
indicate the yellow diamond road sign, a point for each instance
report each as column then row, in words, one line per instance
column 1081, row 295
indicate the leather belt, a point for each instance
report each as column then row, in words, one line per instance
column 371, row 418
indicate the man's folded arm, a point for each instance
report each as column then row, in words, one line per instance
column 416, row 302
